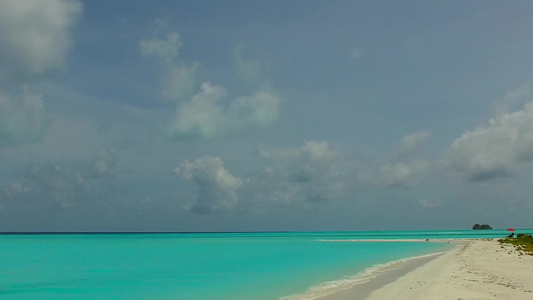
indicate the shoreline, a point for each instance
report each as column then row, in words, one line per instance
column 472, row 269
column 371, row 278
column 390, row 273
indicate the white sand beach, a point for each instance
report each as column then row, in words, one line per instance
column 476, row 269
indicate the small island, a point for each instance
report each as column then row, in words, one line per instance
column 483, row 226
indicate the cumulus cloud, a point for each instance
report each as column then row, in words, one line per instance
column 34, row 39
column 494, row 149
column 202, row 115
column 318, row 172
column 314, row 160
column 514, row 99
column 403, row 168
column 22, row 119
column 311, row 159
column 177, row 79
column 311, row 173
column 317, row 168
column 403, row 174
column 217, row 188
column 259, row 109
column 209, row 112
column 164, row 49
column 35, row 34
column 412, row 142
column 62, row 185
column 206, row 116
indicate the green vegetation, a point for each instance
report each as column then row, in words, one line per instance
column 484, row 226
column 523, row 243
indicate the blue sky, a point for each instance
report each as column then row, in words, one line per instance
column 265, row 115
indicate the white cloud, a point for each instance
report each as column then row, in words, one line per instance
column 35, row 34
column 494, row 149
column 164, row 49
column 316, row 172
column 217, row 188
column 314, row 162
column 177, row 79
column 403, row 174
column 208, row 113
column 311, row 173
column 412, row 142
column 202, row 115
column 259, row 109
column 34, row 39
column 249, row 70
column 318, row 168
column 205, row 115
column 514, row 99
column 23, row 119
column 404, row 168
column 318, row 151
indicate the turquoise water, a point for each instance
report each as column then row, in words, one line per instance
column 196, row 265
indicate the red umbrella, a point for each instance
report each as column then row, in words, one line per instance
column 511, row 229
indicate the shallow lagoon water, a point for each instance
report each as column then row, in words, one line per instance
column 197, row 265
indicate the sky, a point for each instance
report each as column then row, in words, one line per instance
column 210, row 115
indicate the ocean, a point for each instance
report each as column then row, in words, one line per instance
column 193, row 266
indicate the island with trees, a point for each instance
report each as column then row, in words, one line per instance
column 482, row 226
